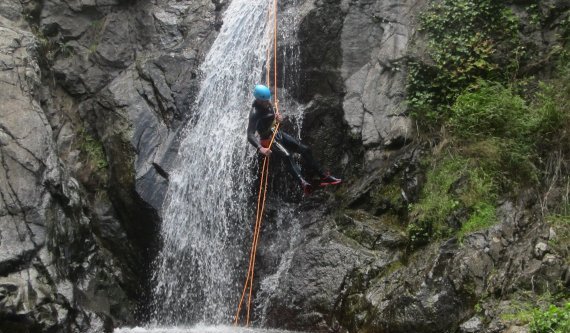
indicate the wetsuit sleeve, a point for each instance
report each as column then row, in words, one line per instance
column 251, row 128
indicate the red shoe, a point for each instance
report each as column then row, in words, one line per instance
column 330, row 180
column 307, row 187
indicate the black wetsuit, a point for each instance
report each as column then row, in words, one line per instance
column 261, row 120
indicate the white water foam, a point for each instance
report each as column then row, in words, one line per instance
column 207, row 210
column 196, row 329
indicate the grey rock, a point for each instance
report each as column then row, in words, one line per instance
column 11, row 10
column 517, row 329
column 372, row 70
column 540, row 249
column 319, row 264
column 44, row 234
column 115, row 46
column 551, row 234
column 68, row 22
column 473, row 325
column 26, row 151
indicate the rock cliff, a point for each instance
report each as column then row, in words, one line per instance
column 94, row 95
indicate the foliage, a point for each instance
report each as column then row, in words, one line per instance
column 454, row 185
column 97, row 29
column 560, row 224
column 536, row 310
column 93, row 150
column 463, row 39
column 49, row 48
column 503, row 133
column 483, row 216
column 489, row 113
column 488, row 109
column 553, row 320
column 553, row 105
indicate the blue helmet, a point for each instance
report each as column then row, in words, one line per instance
column 261, row 92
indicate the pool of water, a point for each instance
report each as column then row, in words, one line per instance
column 196, row 329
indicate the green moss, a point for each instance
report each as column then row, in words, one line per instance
column 97, row 25
column 393, row 267
column 93, row 150
column 454, row 184
column 363, row 227
column 93, row 46
column 483, row 216
column 390, row 192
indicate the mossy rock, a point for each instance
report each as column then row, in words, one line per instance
column 371, row 231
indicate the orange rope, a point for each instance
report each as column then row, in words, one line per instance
column 256, row 240
column 262, row 184
column 251, row 255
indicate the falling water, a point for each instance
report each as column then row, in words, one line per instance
column 207, row 211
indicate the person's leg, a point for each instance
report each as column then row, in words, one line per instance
column 280, row 151
column 305, row 151
column 293, row 168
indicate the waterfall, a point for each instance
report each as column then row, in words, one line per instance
column 208, row 211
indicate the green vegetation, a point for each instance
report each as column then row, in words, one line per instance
column 483, row 216
column 458, row 197
column 93, row 47
column 96, row 28
column 93, row 150
column 547, row 318
column 496, row 146
column 560, row 224
column 463, row 38
column 501, row 131
column 49, row 48
column 553, row 320
column 493, row 115
column 97, row 25
column 545, row 312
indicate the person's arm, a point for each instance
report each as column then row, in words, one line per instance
column 251, row 128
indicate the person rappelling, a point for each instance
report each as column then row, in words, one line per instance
column 262, row 119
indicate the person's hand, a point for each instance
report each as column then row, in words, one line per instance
column 265, row 151
column 279, row 117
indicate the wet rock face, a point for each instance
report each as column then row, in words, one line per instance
column 47, row 250
column 91, row 104
column 353, row 56
column 354, row 272
column 374, row 43
column 133, row 68
column 353, row 59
